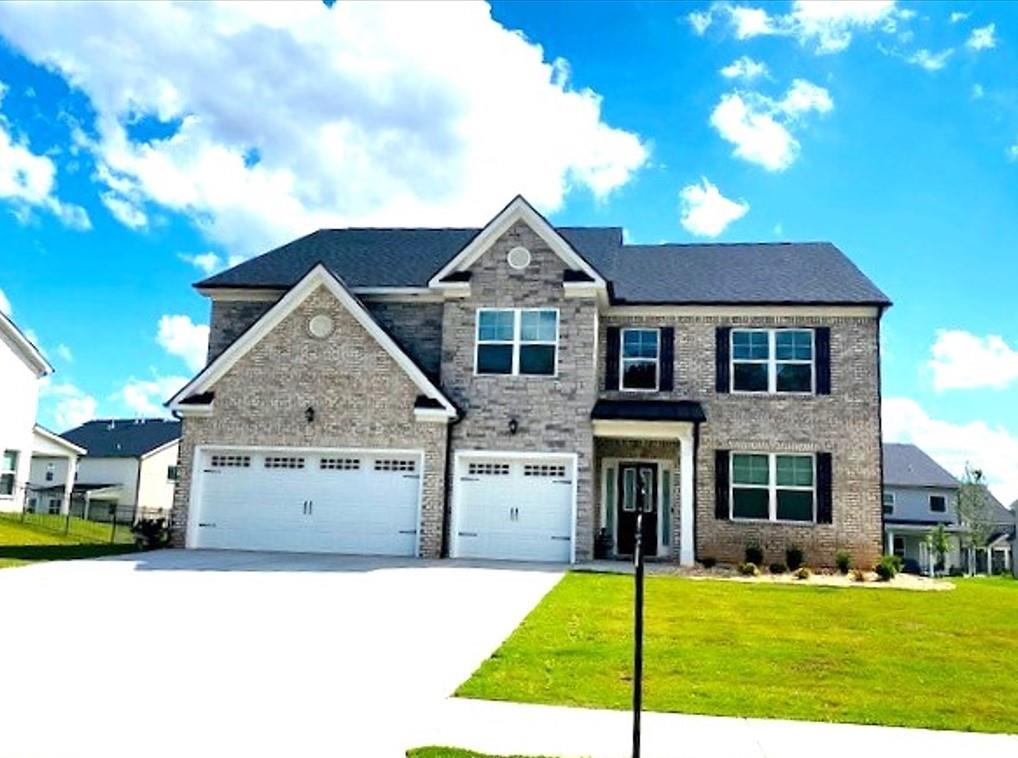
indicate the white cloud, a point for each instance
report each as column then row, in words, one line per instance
column 826, row 25
column 700, row 21
column 705, row 212
column 744, row 68
column 957, row 16
column 992, row 449
column 5, row 304
column 1012, row 152
column 977, row 91
column 145, row 397
column 66, row 404
column 930, row 61
column 983, row 38
column 28, row 180
column 65, row 353
column 760, row 127
column 961, row 360
column 180, row 336
column 124, row 210
column 207, row 263
column 371, row 122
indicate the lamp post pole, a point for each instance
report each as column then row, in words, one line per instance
column 638, row 634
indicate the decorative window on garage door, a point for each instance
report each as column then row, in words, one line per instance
column 340, row 464
column 231, row 461
column 488, row 469
column 395, row 464
column 544, row 469
column 283, row 461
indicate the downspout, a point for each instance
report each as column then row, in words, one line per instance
column 447, row 490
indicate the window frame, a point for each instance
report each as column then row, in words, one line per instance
column 771, row 487
column 772, row 361
column 12, row 473
column 942, row 498
column 623, row 359
column 887, row 508
column 517, row 342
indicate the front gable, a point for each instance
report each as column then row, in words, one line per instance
column 355, row 358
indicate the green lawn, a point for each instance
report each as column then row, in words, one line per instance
column 453, row 752
column 943, row 660
column 22, row 543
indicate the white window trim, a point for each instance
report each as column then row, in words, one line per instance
column 771, row 487
column 885, row 504
column 929, row 503
column 517, row 341
column 12, row 472
column 772, row 361
column 623, row 359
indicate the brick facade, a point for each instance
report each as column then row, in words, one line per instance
column 361, row 397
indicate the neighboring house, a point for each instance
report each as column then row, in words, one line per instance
column 53, row 471
column 520, row 391
column 131, row 465
column 21, row 368
column 918, row 495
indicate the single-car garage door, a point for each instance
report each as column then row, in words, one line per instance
column 514, row 508
column 358, row 502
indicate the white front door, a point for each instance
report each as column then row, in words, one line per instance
column 514, row 508
column 358, row 502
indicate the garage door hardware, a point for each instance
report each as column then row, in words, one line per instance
column 408, row 531
column 562, row 481
column 514, row 514
column 309, row 507
column 469, row 479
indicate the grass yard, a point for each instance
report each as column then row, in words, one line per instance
column 942, row 660
column 454, row 752
column 26, row 543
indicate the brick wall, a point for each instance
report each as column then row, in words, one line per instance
column 228, row 320
column 360, row 395
column 416, row 327
column 553, row 412
column 844, row 423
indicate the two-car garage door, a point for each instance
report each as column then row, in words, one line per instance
column 359, row 502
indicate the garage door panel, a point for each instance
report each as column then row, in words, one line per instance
column 355, row 502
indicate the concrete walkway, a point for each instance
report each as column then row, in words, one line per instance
column 509, row 728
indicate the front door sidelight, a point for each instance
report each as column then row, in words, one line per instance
column 637, row 483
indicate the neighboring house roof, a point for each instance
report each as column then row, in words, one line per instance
column 999, row 513
column 47, row 440
column 23, row 347
column 908, row 466
column 124, row 437
column 806, row 273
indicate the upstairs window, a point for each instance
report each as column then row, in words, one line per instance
column 171, row 473
column 938, row 504
column 888, row 503
column 639, row 359
column 773, row 360
column 8, row 472
column 517, row 341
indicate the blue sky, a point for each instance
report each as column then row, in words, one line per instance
column 131, row 165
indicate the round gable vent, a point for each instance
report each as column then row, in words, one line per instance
column 519, row 257
column 320, row 326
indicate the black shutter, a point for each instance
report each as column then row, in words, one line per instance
column 667, row 359
column 825, row 505
column 721, row 363
column 611, row 361
column 721, row 459
column 822, row 338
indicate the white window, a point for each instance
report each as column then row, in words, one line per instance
column 54, row 505
column 517, row 341
column 888, row 503
column 639, row 359
column 773, row 487
column 171, row 473
column 8, row 472
column 49, row 472
column 772, row 360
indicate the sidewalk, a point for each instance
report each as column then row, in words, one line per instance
column 510, row 728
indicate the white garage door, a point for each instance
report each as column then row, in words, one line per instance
column 354, row 502
column 514, row 508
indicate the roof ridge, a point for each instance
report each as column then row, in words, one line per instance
column 729, row 244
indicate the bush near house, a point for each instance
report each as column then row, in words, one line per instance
column 754, row 554
column 843, row 560
column 794, row 557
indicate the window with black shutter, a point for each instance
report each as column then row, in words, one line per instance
column 825, row 504
column 721, row 462
column 722, row 368
column 611, row 362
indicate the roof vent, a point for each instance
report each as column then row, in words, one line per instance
column 113, row 425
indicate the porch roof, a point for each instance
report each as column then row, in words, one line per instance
column 648, row 410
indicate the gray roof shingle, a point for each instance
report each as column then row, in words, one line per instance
column 908, row 466
column 123, row 437
column 809, row 272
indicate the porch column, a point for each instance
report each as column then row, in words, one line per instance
column 686, row 475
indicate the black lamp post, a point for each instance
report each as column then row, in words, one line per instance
column 638, row 633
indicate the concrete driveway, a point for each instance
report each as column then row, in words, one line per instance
column 219, row 654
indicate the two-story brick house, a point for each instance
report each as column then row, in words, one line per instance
column 515, row 391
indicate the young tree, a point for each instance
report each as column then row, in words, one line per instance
column 939, row 542
column 974, row 509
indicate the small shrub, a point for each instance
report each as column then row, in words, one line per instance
column 754, row 554
column 858, row 575
column 778, row 568
column 803, row 573
column 843, row 560
column 955, row 571
column 151, row 533
column 898, row 561
column 794, row 557
column 888, row 567
column 749, row 569
column 709, row 563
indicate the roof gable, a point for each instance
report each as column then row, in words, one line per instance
column 318, row 276
column 907, row 466
column 47, row 443
column 22, row 347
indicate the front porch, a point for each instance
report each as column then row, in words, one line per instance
column 910, row 542
column 644, row 458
